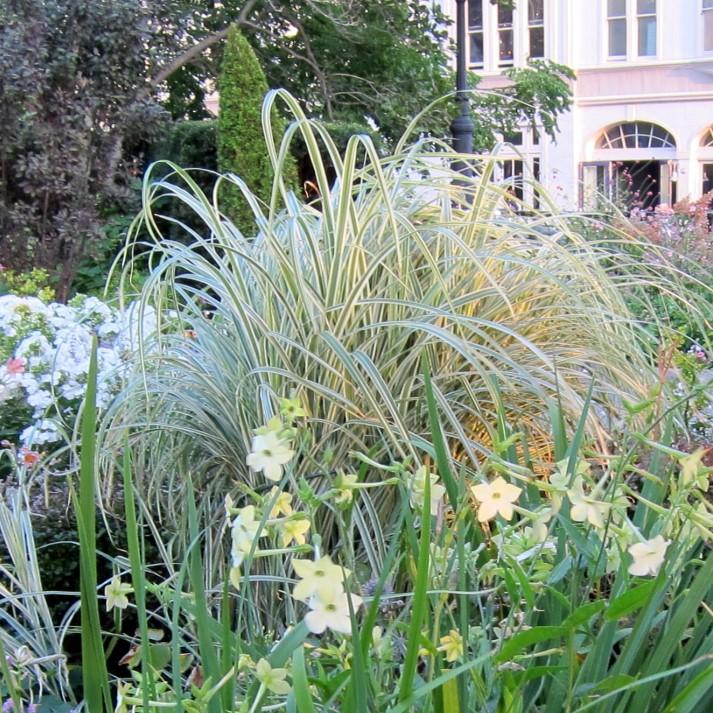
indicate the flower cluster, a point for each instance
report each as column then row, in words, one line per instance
column 44, row 358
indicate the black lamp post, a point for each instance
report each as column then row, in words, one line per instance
column 462, row 126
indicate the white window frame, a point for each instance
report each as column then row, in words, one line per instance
column 632, row 34
column 706, row 6
column 491, row 64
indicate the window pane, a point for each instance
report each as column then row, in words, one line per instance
column 537, row 42
column 617, row 8
column 536, row 11
column 506, row 46
column 646, row 7
column 504, row 15
column 535, row 137
column 475, row 13
column 515, row 138
column 708, row 30
column 647, row 36
column 476, row 48
column 708, row 4
column 617, row 38
column 707, row 177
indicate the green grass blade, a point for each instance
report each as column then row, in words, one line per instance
column 206, row 643
column 95, row 678
column 137, row 574
column 420, row 599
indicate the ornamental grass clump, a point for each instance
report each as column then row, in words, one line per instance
column 337, row 300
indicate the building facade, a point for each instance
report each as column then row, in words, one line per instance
column 642, row 115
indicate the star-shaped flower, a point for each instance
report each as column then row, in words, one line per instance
column 495, row 498
column 330, row 610
column 272, row 678
column 244, row 531
column 452, row 645
column 295, row 530
column 269, row 453
column 648, row 556
column 585, row 508
column 116, row 593
column 282, row 502
column 315, row 574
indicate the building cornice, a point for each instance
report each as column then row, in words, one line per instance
column 643, row 98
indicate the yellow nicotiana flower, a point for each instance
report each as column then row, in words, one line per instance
column 272, row 678
column 283, row 502
column 295, row 530
column 495, row 498
column 452, row 645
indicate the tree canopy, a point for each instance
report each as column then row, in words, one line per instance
column 84, row 86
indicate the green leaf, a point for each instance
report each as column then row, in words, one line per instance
column 630, row 601
column 524, row 639
column 303, row 697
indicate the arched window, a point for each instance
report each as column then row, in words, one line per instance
column 636, row 135
column 707, row 138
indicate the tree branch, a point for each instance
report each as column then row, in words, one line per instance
column 196, row 50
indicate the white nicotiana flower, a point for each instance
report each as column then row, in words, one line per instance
column 329, row 609
column 244, row 531
column 648, row 556
column 495, row 498
column 269, row 453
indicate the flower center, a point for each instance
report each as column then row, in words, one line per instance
column 319, row 573
column 496, row 496
column 331, row 607
column 267, row 453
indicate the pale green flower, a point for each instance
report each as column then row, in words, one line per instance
column 586, row 508
column 344, row 486
column 291, row 409
column 116, row 593
column 417, row 490
column 272, row 678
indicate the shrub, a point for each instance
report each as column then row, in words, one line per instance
column 241, row 142
column 44, row 362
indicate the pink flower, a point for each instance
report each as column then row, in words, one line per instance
column 29, row 458
column 15, row 366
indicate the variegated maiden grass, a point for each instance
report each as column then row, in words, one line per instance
column 337, row 300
